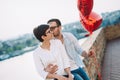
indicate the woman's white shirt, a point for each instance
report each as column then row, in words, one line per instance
column 56, row 55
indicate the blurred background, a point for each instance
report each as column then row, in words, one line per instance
column 19, row 17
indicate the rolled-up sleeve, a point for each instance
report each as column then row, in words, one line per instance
column 76, row 44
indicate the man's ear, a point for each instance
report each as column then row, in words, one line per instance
column 60, row 27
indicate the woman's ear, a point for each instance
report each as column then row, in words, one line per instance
column 43, row 37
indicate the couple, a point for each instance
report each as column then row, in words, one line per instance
column 57, row 58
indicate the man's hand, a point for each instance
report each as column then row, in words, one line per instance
column 51, row 68
column 91, row 53
column 84, row 54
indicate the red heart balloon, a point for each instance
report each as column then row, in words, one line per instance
column 92, row 22
column 85, row 6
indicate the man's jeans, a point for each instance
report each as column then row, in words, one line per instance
column 80, row 74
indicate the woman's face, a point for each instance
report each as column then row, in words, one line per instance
column 49, row 34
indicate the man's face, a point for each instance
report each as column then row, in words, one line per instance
column 55, row 28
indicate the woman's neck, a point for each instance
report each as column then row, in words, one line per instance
column 46, row 45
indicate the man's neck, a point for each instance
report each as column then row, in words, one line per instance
column 60, row 37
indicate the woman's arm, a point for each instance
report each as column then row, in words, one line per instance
column 39, row 65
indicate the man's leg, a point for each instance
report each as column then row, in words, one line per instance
column 77, row 76
column 82, row 73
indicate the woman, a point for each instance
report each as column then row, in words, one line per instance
column 51, row 51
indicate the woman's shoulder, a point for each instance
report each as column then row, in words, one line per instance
column 38, row 50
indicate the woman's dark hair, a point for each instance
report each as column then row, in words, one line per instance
column 40, row 31
column 55, row 20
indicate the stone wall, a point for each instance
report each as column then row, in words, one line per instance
column 112, row 32
column 97, row 43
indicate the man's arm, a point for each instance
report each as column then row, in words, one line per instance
column 55, row 76
column 51, row 68
column 84, row 54
column 70, row 76
column 77, row 46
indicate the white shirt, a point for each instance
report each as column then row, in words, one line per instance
column 56, row 55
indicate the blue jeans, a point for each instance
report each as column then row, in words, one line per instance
column 80, row 74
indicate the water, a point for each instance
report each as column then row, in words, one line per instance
column 19, row 68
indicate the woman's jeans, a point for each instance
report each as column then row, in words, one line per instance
column 80, row 74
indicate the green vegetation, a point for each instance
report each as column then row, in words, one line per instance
column 15, row 47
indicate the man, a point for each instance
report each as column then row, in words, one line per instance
column 72, row 47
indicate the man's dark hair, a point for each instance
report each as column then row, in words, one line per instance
column 40, row 31
column 55, row 20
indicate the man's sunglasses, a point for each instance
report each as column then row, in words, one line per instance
column 53, row 27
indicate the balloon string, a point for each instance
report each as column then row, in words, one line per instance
column 95, row 61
